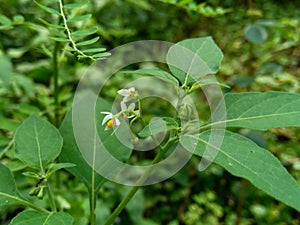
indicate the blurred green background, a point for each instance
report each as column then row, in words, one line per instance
column 261, row 45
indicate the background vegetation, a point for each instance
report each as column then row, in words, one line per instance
column 270, row 62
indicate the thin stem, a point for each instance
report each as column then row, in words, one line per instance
column 55, row 81
column 51, row 197
column 25, row 202
column 134, row 189
column 92, row 191
column 69, row 35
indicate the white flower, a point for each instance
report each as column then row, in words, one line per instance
column 126, row 110
column 110, row 120
column 129, row 94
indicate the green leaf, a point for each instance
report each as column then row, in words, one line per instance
column 261, row 111
column 6, row 71
column 158, row 125
column 75, row 5
column 58, row 166
column 88, row 42
column 34, row 218
column 37, row 142
column 8, row 124
column 256, row 34
column 91, row 50
column 192, row 59
column 101, row 55
column 5, row 20
column 85, row 32
column 48, row 9
column 71, row 153
column 155, row 72
column 55, row 26
column 79, row 18
column 9, row 194
column 59, row 39
column 243, row 158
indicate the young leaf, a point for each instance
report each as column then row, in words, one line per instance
column 192, row 59
column 58, row 166
column 59, row 39
column 87, row 32
column 8, row 190
column 55, row 26
column 88, row 42
column 80, row 18
column 101, row 55
column 37, row 142
column 92, row 50
column 261, row 111
column 35, row 217
column 158, row 125
column 243, row 158
column 47, row 9
column 155, row 72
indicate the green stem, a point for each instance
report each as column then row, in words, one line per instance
column 69, row 35
column 93, row 192
column 55, row 84
column 51, row 197
column 134, row 189
column 92, row 208
column 25, row 202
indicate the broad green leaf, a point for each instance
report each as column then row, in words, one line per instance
column 59, row 39
column 243, row 158
column 37, row 142
column 85, row 32
column 71, row 153
column 155, row 72
column 192, row 59
column 158, row 125
column 261, row 111
column 79, row 18
column 88, row 42
column 256, row 34
column 75, row 5
column 8, row 190
column 34, row 218
column 48, row 9
column 91, row 50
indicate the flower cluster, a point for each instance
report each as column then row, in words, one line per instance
column 127, row 109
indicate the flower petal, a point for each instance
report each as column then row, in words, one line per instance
column 117, row 122
column 123, row 106
column 123, row 92
column 108, row 113
column 106, row 118
column 131, row 106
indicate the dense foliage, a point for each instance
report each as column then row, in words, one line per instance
column 42, row 60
